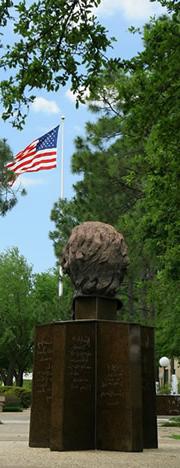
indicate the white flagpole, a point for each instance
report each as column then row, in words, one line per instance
column 61, row 194
column 62, row 158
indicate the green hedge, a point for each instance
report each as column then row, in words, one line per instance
column 13, row 409
column 12, row 402
column 20, row 393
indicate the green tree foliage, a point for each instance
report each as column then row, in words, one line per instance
column 7, row 198
column 46, row 302
column 53, row 41
column 4, row 12
column 155, row 116
column 15, row 315
column 8, row 195
column 171, row 5
column 65, row 216
column 167, row 299
column 25, row 301
column 128, row 163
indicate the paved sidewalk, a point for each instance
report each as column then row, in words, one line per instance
column 15, row 453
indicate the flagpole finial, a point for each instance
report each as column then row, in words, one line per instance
column 62, row 117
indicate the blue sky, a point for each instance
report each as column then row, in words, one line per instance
column 27, row 226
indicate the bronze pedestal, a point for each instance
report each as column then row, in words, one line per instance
column 93, row 384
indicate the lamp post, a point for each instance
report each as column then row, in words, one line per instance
column 164, row 362
column 174, row 383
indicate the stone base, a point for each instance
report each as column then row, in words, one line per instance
column 96, row 307
column 87, row 387
column 150, row 439
column 168, row 405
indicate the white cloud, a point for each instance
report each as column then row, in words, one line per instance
column 29, row 181
column 73, row 96
column 131, row 9
column 70, row 95
column 41, row 104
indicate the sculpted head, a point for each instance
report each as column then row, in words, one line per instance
column 95, row 258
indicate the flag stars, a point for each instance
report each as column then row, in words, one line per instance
column 49, row 140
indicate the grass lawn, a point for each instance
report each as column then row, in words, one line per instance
column 175, row 436
column 173, row 422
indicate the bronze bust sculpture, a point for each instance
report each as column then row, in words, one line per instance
column 95, row 258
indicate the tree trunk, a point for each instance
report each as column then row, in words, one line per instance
column 10, row 374
column 19, row 378
column 130, row 298
column 144, row 308
column 3, row 376
column 172, row 365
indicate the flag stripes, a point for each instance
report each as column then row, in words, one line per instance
column 28, row 161
column 39, row 155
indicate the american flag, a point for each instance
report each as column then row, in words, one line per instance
column 39, row 155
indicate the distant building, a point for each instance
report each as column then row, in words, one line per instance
column 28, row 375
column 165, row 375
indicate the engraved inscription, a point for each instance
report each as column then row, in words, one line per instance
column 111, row 388
column 80, row 363
column 44, row 351
column 44, row 371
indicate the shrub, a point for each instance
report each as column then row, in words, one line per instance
column 4, row 389
column 15, row 409
column 12, row 399
column 27, row 384
column 165, row 389
column 22, row 394
column 173, row 422
column 12, row 402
